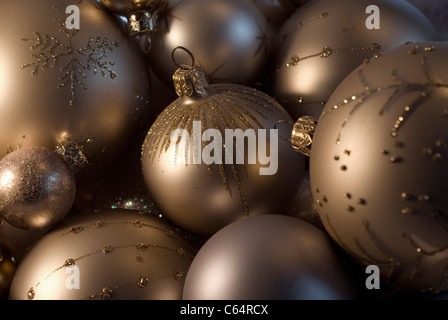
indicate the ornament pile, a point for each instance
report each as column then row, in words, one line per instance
column 223, row 149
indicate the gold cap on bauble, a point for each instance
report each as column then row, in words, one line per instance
column 189, row 80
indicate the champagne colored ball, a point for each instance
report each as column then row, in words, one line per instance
column 89, row 85
column 228, row 38
column 202, row 196
column 324, row 40
column 378, row 165
column 109, row 254
column 37, row 188
column 269, row 257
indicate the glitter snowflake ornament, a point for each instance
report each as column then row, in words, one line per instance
column 378, row 165
column 87, row 85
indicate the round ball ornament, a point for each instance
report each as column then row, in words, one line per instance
column 70, row 77
column 229, row 38
column 216, row 155
column 324, row 40
column 37, row 188
column 109, row 254
column 378, row 165
column 269, row 257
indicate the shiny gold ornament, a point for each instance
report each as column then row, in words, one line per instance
column 109, row 254
column 378, row 165
column 203, row 185
column 89, row 85
column 8, row 267
column 37, row 188
column 324, row 40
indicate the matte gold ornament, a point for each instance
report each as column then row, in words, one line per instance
column 37, row 188
column 378, row 165
column 89, row 85
column 199, row 179
column 324, row 40
column 109, row 254
column 269, row 257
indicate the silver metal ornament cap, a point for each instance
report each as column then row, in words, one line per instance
column 189, row 80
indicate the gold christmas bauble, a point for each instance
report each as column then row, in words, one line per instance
column 324, row 40
column 109, row 254
column 378, row 165
column 219, row 154
column 70, row 76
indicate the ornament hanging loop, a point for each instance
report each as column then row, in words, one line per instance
column 182, row 66
column 191, row 80
column 279, row 135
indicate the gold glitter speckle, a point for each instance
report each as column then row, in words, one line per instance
column 179, row 275
column 142, row 282
column 106, row 249
column 69, row 262
column 31, row 294
column 407, row 210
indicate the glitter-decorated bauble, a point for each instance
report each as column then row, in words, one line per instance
column 109, row 254
column 378, row 165
column 219, row 153
column 269, row 257
column 8, row 267
column 229, row 38
column 324, row 40
column 89, row 85
column 37, row 188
